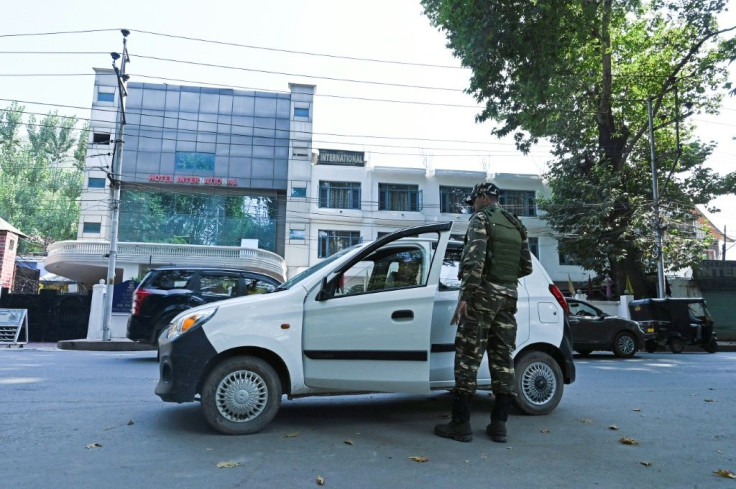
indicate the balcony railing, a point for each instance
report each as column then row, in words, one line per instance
column 157, row 254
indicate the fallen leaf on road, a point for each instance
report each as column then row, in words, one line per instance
column 545, row 430
column 295, row 434
column 613, row 427
column 228, row 465
column 646, row 464
column 348, row 442
column 419, row 459
column 320, row 480
column 94, row 445
column 628, row 441
column 725, row 473
column 636, row 409
column 710, row 400
column 586, row 420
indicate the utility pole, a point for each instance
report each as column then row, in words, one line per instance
column 725, row 237
column 655, row 194
column 115, row 176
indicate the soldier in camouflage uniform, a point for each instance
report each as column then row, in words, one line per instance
column 495, row 255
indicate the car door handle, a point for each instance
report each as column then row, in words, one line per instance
column 402, row 315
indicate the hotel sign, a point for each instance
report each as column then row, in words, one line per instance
column 339, row 157
column 188, row 180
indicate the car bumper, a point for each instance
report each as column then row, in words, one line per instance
column 182, row 363
column 139, row 329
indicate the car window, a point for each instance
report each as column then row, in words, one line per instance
column 580, row 309
column 386, row 269
column 450, row 269
column 218, row 285
column 170, row 279
column 255, row 286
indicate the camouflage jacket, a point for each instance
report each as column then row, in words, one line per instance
column 475, row 256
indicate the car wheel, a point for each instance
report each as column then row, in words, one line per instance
column 241, row 395
column 624, row 346
column 584, row 352
column 676, row 345
column 712, row 346
column 539, row 383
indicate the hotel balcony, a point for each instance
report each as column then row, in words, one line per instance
column 87, row 261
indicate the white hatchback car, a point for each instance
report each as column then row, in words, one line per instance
column 374, row 317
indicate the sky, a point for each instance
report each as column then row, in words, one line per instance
column 410, row 112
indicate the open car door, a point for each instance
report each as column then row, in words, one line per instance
column 367, row 327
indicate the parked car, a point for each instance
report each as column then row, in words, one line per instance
column 349, row 324
column 165, row 292
column 677, row 321
column 593, row 329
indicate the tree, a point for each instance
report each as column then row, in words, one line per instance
column 580, row 73
column 41, row 175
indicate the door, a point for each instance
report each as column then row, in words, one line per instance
column 368, row 327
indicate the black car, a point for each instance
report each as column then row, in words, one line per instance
column 165, row 292
column 593, row 329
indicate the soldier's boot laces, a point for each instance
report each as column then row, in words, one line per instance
column 499, row 415
column 459, row 427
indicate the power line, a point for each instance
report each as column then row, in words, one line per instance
column 54, row 33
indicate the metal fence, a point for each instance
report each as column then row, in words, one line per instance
column 51, row 316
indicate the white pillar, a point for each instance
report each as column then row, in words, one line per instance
column 96, row 312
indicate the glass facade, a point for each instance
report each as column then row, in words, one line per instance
column 183, row 132
column 196, row 218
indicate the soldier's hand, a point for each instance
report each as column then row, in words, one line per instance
column 461, row 311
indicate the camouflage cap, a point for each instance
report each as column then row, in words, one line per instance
column 480, row 189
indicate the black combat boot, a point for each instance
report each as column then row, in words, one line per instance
column 499, row 415
column 459, row 427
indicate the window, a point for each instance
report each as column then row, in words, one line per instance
column 299, row 192
column 339, row 195
column 385, row 269
column 11, row 244
column 330, row 242
column 105, row 96
column 301, row 112
column 91, row 227
column 300, row 152
column 397, row 197
column 94, row 182
column 100, row 138
column 534, row 246
column 195, row 162
column 452, row 199
column 296, row 234
column 518, row 202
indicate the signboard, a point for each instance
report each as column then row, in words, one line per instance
column 12, row 322
column 340, row 157
column 122, row 296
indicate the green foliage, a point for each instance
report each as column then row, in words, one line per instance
column 40, row 176
column 579, row 74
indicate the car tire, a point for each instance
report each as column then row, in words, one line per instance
column 241, row 395
column 712, row 346
column 624, row 345
column 676, row 345
column 538, row 383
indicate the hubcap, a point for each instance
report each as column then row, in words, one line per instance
column 626, row 344
column 241, row 396
column 538, row 383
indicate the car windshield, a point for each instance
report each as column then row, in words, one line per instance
column 313, row 269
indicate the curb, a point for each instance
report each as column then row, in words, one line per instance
column 100, row 345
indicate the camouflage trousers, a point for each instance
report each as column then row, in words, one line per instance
column 490, row 327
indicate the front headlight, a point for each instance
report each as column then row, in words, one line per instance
column 187, row 321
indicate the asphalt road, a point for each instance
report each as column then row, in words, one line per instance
column 86, row 419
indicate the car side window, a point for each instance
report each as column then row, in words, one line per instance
column 386, row 269
column 172, row 279
column 254, row 286
column 218, row 285
column 579, row 309
column 450, row 268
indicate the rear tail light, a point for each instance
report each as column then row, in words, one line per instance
column 560, row 298
column 138, row 297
